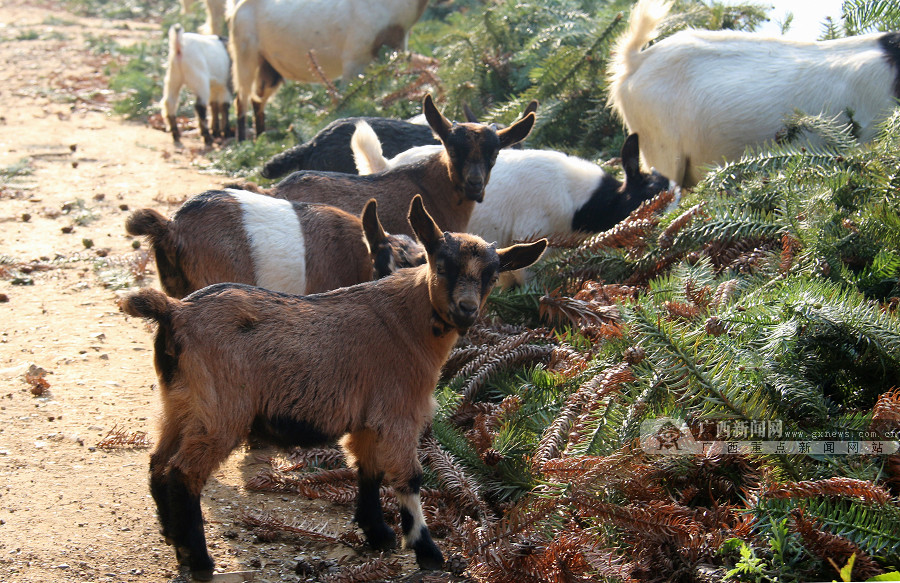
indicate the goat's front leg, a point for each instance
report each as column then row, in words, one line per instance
column 402, row 464
column 361, row 451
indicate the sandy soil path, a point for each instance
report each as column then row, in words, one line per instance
column 70, row 511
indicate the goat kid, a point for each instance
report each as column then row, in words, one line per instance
column 236, row 360
column 329, row 149
column 273, row 40
column 202, row 63
column 450, row 181
column 539, row 192
column 238, row 236
column 701, row 97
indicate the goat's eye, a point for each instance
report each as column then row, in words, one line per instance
column 440, row 269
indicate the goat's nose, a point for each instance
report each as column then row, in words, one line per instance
column 468, row 307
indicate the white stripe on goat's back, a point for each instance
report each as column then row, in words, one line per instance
column 276, row 241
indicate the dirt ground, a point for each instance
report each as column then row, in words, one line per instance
column 70, row 511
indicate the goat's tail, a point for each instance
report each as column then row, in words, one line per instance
column 286, row 162
column 158, row 229
column 367, row 153
column 176, row 41
column 642, row 28
column 149, row 303
column 148, row 222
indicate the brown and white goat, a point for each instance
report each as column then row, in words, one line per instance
column 239, row 236
column 234, row 360
column 450, row 182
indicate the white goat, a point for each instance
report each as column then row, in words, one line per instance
column 272, row 40
column 215, row 15
column 536, row 192
column 700, row 97
column 201, row 62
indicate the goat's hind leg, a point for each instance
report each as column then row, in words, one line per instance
column 159, row 481
column 190, row 468
column 204, row 125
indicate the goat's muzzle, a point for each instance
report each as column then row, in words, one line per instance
column 463, row 314
column 475, row 191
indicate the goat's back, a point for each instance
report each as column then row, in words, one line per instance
column 372, row 340
column 329, row 150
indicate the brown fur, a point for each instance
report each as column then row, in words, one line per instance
column 359, row 362
column 205, row 243
column 450, row 183
column 336, row 251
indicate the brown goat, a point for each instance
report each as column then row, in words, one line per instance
column 238, row 236
column 450, row 182
column 235, row 360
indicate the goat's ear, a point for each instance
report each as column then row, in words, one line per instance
column 531, row 107
column 517, row 131
column 631, row 158
column 372, row 228
column 522, row 255
column 440, row 124
column 423, row 225
column 470, row 115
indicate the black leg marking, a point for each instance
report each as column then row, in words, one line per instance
column 259, row 116
column 187, row 527
column 369, row 515
column 173, row 124
column 201, row 119
column 159, row 490
column 215, row 129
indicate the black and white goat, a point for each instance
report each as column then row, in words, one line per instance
column 538, row 192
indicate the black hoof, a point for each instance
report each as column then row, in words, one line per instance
column 202, row 570
column 202, row 575
column 381, row 538
column 428, row 556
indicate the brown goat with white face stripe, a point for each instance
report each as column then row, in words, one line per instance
column 450, row 182
column 359, row 363
column 243, row 237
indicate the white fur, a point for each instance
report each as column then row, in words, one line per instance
column 531, row 192
column 700, row 97
column 340, row 32
column 215, row 15
column 200, row 62
column 413, row 505
column 276, row 241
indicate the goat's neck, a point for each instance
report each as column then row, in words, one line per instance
column 403, row 305
column 445, row 200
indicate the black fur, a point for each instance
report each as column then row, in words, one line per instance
column 369, row 515
column 612, row 201
column 329, row 149
column 287, row 432
column 186, row 526
column 890, row 44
